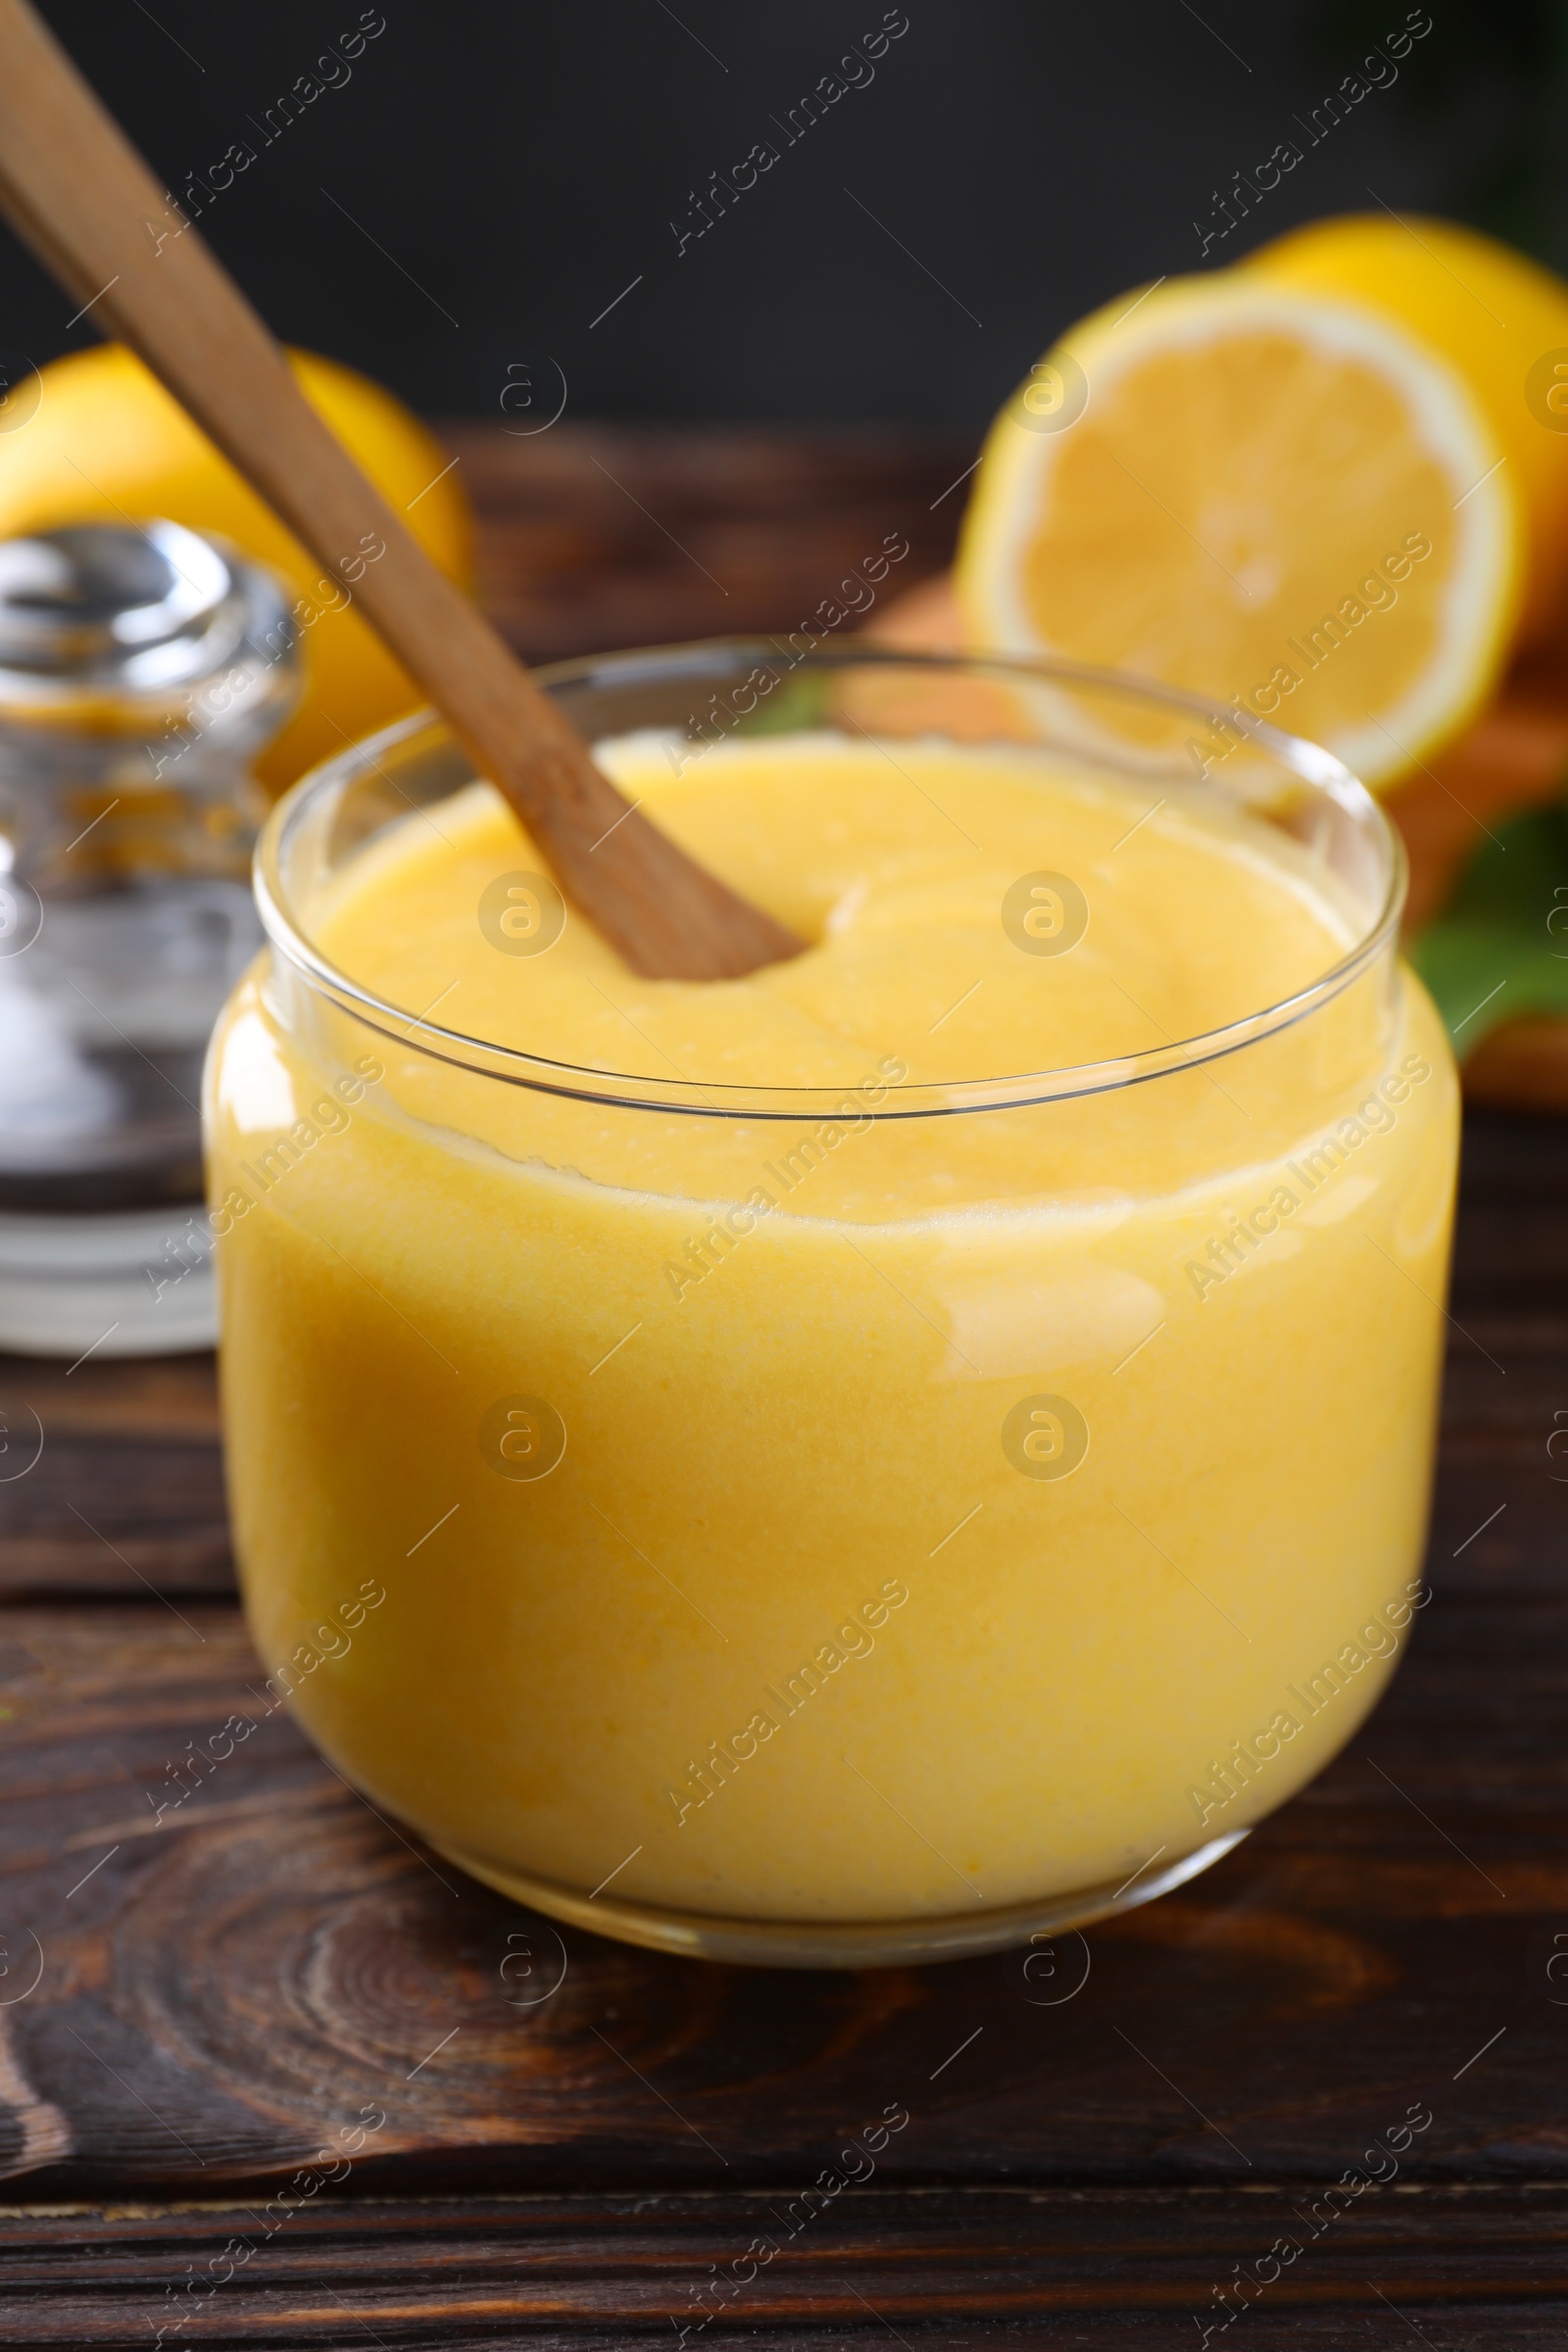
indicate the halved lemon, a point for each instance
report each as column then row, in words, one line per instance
column 1279, row 501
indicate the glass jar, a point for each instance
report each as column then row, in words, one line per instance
column 824, row 1526
column 141, row 671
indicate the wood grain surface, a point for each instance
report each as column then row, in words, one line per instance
column 596, row 537
column 271, row 2073
column 1120, row 2269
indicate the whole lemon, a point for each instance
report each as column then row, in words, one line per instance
column 1500, row 319
column 97, row 439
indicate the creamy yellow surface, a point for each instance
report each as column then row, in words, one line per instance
column 796, row 1622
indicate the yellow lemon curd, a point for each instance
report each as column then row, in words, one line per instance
column 850, row 1516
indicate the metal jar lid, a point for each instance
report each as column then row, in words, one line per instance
column 122, row 625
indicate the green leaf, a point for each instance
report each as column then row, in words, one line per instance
column 1500, row 951
column 794, row 704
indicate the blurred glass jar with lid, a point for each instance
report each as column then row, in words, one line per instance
column 141, row 672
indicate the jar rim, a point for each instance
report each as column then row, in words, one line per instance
column 1310, row 766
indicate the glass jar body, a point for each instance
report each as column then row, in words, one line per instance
column 709, row 1560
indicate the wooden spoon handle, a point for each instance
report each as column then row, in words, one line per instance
column 76, row 189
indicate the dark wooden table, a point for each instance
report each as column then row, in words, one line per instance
column 274, row 1970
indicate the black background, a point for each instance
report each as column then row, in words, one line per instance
column 510, row 169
